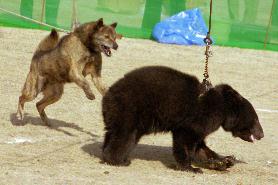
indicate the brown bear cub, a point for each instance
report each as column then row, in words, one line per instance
column 161, row 99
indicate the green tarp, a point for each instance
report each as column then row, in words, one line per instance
column 240, row 23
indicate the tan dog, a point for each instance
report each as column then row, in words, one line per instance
column 69, row 59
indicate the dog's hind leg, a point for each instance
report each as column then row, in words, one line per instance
column 52, row 93
column 31, row 89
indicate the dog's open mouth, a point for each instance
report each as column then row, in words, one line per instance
column 106, row 50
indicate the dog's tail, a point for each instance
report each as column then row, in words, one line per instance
column 49, row 42
column 33, row 83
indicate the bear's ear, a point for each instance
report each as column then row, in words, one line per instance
column 232, row 105
column 230, row 95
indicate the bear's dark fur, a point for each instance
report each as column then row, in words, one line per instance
column 161, row 99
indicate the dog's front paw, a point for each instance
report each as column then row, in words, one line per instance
column 90, row 96
column 103, row 91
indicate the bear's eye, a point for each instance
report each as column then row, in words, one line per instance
column 245, row 130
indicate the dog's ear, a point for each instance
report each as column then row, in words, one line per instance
column 114, row 25
column 54, row 34
column 99, row 23
column 119, row 36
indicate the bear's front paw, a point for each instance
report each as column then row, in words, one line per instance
column 189, row 169
column 221, row 164
column 217, row 165
column 229, row 161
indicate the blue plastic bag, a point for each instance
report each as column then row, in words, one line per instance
column 185, row 28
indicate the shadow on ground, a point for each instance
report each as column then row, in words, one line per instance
column 55, row 124
column 147, row 153
column 142, row 151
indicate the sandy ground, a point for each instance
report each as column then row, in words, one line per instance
column 69, row 153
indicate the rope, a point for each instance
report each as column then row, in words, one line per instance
column 74, row 21
column 35, row 21
column 210, row 12
column 269, row 23
column 43, row 9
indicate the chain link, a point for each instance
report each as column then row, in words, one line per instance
column 206, row 84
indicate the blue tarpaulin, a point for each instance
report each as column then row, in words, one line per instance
column 185, row 28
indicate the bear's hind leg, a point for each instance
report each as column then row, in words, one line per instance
column 184, row 146
column 117, row 147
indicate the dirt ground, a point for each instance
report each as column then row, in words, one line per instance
column 70, row 153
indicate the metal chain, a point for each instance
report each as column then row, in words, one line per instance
column 206, row 84
column 208, row 53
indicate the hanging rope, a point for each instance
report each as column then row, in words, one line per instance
column 269, row 23
column 74, row 20
column 35, row 21
column 206, row 84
